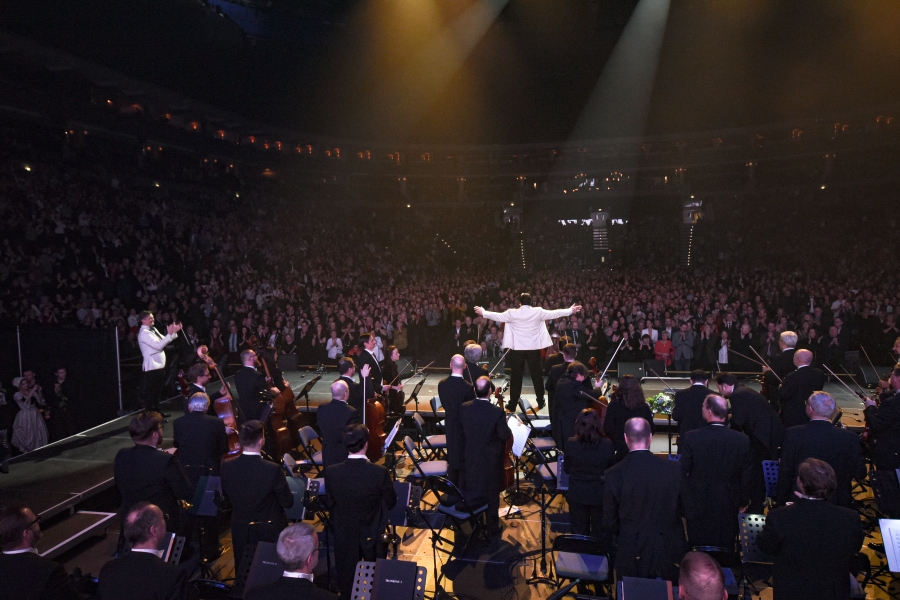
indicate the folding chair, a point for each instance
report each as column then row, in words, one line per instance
column 311, row 456
column 537, row 422
column 436, row 445
column 581, row 559
column 547, row 445
column 453, row 504
column 545, row 474
column 422, row 469
column 435, row 404
column 770, row 474
column 751, row 555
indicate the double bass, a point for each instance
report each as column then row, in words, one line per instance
column 373, row 419
column 223, row 406
column 284, row 419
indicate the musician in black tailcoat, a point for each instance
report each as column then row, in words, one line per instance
column 454, row 391
column 25, row 575
column 688, row 407
column 473, row 370
column 484, row 432
column 797, row 387
column 250, row 385
column 822, row 440
column 374, row 379
column 392, row 381
column 587, row 456
column 258, row 493
column 642, row 505
column 883, row 422
column 627, row 403
column 198, row 377
column 346, row 370
column 752, row 414
column 812, row 540
column 781, row 365
column 140, row 574
column 554, row 374
column 359, row 495
column 573, row 394
column 332, row 419
column 715, row 466
column 143, row 473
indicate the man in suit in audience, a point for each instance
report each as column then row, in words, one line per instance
column 484, row 431
column 258, row 492
column 688, row 406
column 298, row 550
column 454, row 391
column 700, row 577
column 812, row 540
column 24, row 575
column 820, row 439
column 642, row 504
column 797, row 387
column 250, row 385
column 141, row 574
column 359, row 495
column 144, row 474
column 202, row 441
column 346, row 370
column 683, row 342
column 715, row 465
column 752, row 414
column 333, row 418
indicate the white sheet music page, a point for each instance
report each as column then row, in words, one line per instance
column 890, row 533
column 520, row 432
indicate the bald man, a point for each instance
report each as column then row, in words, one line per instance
column 797, row 387
column 700, row 577
column 716, row 469
column 453, row 392
column 333, row 418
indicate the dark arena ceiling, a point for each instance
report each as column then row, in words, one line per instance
column 488, row 71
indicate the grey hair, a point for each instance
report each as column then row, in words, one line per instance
column 295, row 545
column 199, row 402
column 789, row 338
column 822, row 404
column 472, row 352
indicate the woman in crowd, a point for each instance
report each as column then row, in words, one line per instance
column 587, row 456
column 626, row 403
column 664, row 350
column 29, row 429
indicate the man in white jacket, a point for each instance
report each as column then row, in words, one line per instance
column 153, row 344
column 525, row 336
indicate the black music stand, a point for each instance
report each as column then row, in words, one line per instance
column 305, row 391
column 415, row 394
column 367, row 574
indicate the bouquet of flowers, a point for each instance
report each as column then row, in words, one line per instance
column 662, row 403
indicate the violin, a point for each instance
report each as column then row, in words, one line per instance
column 223, row 406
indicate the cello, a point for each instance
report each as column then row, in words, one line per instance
column 224, row 406
column 373, row 419
column 284, row 418
column 599, row 405
column 508, row 468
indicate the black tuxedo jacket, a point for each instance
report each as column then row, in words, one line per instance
column 473, row 371
column 453, row 392
column 194, row 389
column 586, row 464
column 250, row 383
column 359, row 495
column 143, row 576
column 289, row 588
column 813, row 543
column 715, row 464
column 568, row 402
column 616, row 416
column 798, row 386
column 144, row 473
column 782, row 365
column 820, row 439
column 884, row 425
column 375, row 378
column 642, row 504
column 27, row 576
column 484, row 430
column 201, row 441
column 257, row 490
column 356, row 393
column 333, row 418
column 752, row 414
column 688, row 406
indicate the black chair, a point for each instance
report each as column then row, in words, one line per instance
column 311, row 456
column 459, row 511
column 435, row 404
column 581, row 559
column 435, row 445
column 422, row 468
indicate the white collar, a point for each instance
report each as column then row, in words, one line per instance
column 156, row 553
column 485, row 399
column 250, row 453
column 200, row 386
column 359, row 456
column 456, row 375
column 22, row 551
column 295, row 575
column 699, row 383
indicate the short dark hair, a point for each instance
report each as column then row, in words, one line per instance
column 525, row 299
column 356, row 436
column 13, row 523
column 365, row 337
column 345, row 364
column 726, row 379
column 587, row 427
column 576, row 368
column 569, row 351
column 138, row 522
column 251, row 433
column 196, row 371
column 817, row 478
column 701, row 577
column 483, row 386
column 144, row 424
column 699, row 376
column 144, row 314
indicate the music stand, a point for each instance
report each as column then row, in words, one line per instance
column 516, row 496
column 366, row 576
column 265, row 568
column 305, row 391
column 415, row 393
column 387, row 444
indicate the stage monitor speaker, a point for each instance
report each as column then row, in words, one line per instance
column 287, row 362
column 871, row 376
column 635, row 369
column 655, row 366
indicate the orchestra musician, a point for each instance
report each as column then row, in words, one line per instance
column 781, row 365
column 473, row 370
column 346, row 370
column 333, row 417
column 484, row 431
column 454, row 391
column 554, row 374
column 198, row 376
column 375, row 378
column 525, row 336
column 393, row 385
column 883, row 422
column 251, row 384
column 573, row 394
column 627, row 403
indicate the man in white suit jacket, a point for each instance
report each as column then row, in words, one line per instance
column 525, row 336
column 153, row 344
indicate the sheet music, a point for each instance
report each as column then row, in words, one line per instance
column 890, row 534
column 520, row 432
column 390, row 438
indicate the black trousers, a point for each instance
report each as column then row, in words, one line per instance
column 586, row 519
column 517, row 360
column 152, row 383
